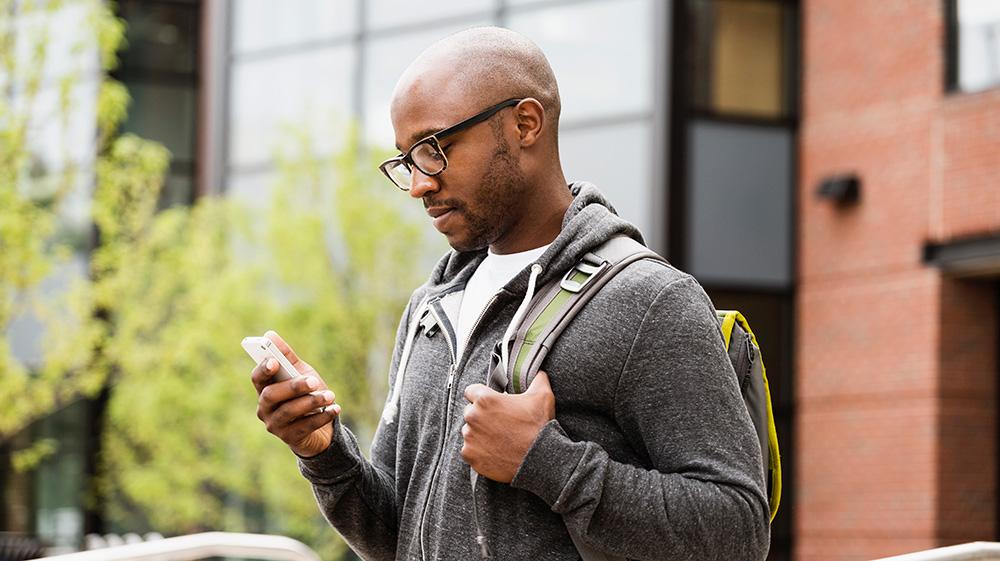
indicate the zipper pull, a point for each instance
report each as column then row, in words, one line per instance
column 451, row 376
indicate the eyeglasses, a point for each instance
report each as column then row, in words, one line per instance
column 427, row 156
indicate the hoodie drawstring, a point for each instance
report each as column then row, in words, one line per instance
column 536, row 270
column 391, row 409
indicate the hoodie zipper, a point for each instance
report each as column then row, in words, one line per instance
column 452, row 371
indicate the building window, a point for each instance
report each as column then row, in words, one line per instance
column 160, row 69
column 738, row 57
column 974, row 50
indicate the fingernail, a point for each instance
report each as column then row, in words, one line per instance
column 335, row 408
column 328, row 396
column 312, row 383
column 271, row 364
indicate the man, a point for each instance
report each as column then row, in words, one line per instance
column 635, row 440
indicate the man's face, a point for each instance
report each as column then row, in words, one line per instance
column 476, row 199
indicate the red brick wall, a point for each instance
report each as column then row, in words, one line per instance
column 896, row 369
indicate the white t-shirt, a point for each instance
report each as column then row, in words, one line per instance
column 492, row 274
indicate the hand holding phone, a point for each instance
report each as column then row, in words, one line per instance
column 261, row 349
column 292, row 400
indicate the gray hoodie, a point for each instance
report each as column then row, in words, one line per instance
column 652, row 454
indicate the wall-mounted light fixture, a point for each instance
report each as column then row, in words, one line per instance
column 841, row 189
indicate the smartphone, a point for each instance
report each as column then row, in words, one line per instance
column 260, row 348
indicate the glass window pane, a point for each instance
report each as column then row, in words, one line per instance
column 69, row 45
column 386, row 60
column 978, row 44
column 615, row 158
column 52, row 142
column 309, row 91
column 165, row 114
column 603, row 68
column 160, row 36
column 736, row 56
column 262, row 24
column 60, row 481
column 391, row 13
column 739, row 210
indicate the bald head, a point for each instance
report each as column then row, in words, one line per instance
column 466, row 72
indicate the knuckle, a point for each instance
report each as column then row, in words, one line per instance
column 466, row 430
column 265, row 394
column 279, row 417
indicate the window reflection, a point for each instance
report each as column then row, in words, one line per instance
column 978, row 44
column 310, row 91
column 160, row 37
column 163, row 113
column 262, row 24
column 736, row 56
column 741, row 177
column 616, row 159
column 392, row 13
column 386, row 60
column 602, row 69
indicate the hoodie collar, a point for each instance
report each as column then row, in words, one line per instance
column 589, row 221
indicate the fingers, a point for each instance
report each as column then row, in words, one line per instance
column 262, row 373
column 476, row 392
column 298, row 430
column 282, row 346
column 289, row 412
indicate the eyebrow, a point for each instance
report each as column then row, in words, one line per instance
column 422, row 135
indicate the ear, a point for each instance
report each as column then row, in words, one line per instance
column 529, row 115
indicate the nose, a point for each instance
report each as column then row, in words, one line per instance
column 422, row 184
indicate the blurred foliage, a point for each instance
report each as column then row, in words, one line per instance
column 37, row 176
column 327, row 258
column 327, row 262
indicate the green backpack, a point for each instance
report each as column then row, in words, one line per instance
column 555, row 306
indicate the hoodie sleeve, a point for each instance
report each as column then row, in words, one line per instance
column 358, row 496
column 678, row 401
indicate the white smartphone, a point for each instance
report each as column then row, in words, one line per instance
column 260, row 348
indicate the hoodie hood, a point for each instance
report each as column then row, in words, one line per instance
column 589, row 221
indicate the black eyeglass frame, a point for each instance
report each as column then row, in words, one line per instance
column 435, row 139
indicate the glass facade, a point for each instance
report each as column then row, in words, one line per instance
column 160, row 70
column 346, row 60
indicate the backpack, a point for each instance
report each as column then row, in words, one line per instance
column 555, row 306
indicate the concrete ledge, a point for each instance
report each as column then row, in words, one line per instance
column 975, row 551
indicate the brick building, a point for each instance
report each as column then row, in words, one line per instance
column 897, row 301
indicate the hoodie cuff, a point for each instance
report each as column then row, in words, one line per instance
column 336, row 463
column 549, row 463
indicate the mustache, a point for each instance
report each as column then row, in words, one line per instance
column 452, row 203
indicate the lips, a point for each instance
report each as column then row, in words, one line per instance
column 441, row 214
column 436, row 211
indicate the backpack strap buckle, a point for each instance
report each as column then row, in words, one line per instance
column 585, row 270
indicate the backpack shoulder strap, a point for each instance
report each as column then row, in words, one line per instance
column 557, row 304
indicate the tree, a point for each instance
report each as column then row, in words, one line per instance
column 329, row 265
column 168, row 296
column 36, row 239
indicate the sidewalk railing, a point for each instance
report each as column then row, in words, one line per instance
column 974, row 551
column 200, row 546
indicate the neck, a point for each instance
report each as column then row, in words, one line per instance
column 542, row 218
